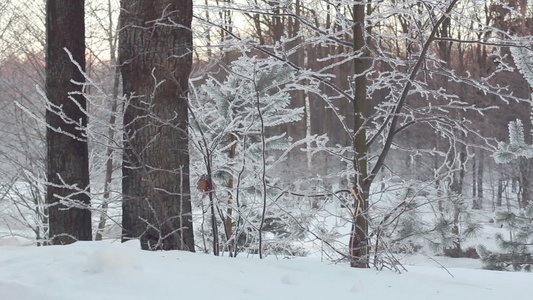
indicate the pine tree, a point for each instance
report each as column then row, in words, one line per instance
column 517, row 146
column 239, row 115
column 445, row 233
column 517, row 250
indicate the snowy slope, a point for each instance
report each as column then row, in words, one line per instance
column 106, row 270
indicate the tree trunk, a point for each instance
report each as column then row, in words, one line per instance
column 229, row 211
column 525, row 171
column 474, row 179
column 480, row 179
column 459, row 175
column 67, row 194
column 500, row 192
column 358, row 245
column 155, row 58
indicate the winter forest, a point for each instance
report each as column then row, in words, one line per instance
column 359, row 132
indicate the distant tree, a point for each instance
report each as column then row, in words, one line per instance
column 519, row 146
column 67, row 193
column 156, row 57
column 517, row 250
column 105, row 108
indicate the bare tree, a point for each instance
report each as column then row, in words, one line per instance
column 105, row 105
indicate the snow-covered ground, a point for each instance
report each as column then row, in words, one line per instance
column 110, row 270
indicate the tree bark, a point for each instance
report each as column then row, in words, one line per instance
column 67, row 194
column 358, row 245
column 229, row 211
column 156, row 57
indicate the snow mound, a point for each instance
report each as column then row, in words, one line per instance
column 358, row 287
column 10, row 242
column 291, row 279
column 114, row 257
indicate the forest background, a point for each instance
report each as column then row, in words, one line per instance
column 314, row 128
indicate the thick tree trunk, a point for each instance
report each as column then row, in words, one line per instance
column 67, row 194
column 156, row 57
